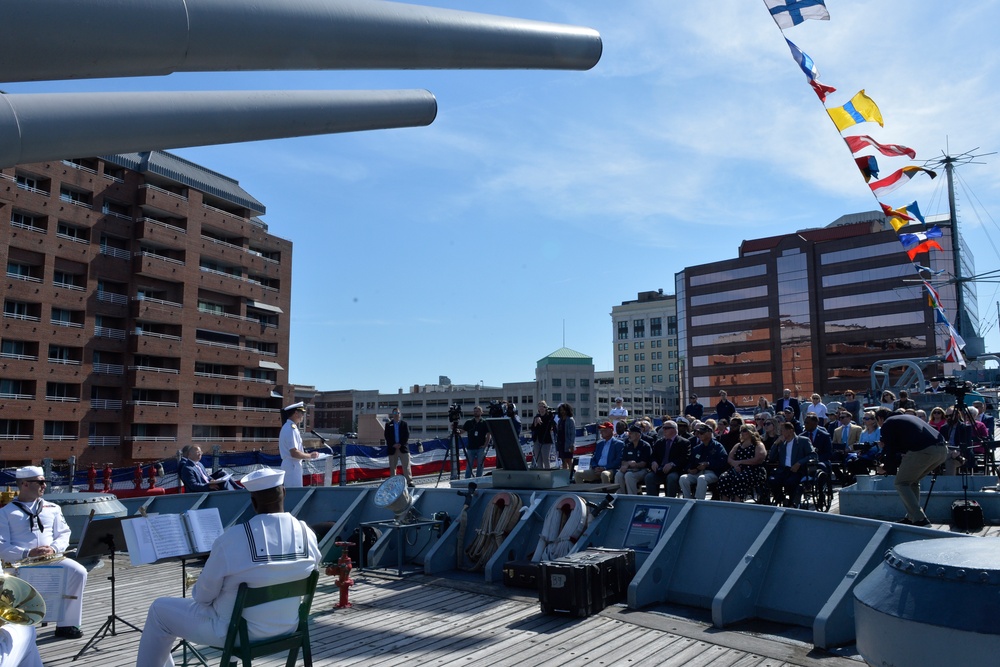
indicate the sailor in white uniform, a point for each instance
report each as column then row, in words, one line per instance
column 18, row 646
column 290, row 444
column 29, row 527
column 273, row 547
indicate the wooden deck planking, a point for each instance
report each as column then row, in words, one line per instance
column 432, row 621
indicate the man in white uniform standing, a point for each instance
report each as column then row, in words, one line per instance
column 30, row 527
column 290, row 444
column 273, row 547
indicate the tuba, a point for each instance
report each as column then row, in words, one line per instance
column 20, row 603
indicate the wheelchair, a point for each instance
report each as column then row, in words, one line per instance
column 816, row 487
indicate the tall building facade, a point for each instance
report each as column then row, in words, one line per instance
column 810, row 311
column 646, row 372
column 145, row 307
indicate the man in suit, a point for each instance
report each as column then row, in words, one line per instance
column 273, row 547
column 670, row 456
column 193, row 474
column 786, row 401
column 397, row 437
column 819, row 437
column 790, row 454
column 606, row 460
column 847, row 435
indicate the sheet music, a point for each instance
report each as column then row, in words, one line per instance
column 50, row 582
column 205, row 526
column 170, row 539
column 139, row 540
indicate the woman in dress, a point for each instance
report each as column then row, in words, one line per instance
column 746, row 471
column 565, row 435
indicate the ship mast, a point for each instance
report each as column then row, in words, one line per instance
column 948, row 162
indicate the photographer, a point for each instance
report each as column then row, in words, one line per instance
column 922, row 450
column 542, row 427
column 479, row 438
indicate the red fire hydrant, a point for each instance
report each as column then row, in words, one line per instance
column 137, row 477
column 342, row 570
column 92, row 478
column 151, row 474
column 107, row 478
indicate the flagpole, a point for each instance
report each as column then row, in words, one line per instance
column 956, row 252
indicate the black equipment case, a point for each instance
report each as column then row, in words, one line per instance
column 521, row 574
column 967, row 515
column 586, row 582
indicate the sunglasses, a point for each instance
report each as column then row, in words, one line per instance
column 39, row 482
column 867, row 419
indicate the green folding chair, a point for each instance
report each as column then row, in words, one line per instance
column 247, row 597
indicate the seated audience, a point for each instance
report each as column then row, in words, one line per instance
column 670, row 455
column 746, row 472
column 708, row 460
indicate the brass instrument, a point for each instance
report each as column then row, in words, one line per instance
column 191, row 579
column 38, row 560
column 20, row 603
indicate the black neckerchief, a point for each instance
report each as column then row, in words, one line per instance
column 33, row 517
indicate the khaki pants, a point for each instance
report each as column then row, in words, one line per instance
column 914, row 467
column 398, row 458
column 628, row 482
column 584, row 476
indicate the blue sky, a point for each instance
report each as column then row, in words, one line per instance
column 538, row 200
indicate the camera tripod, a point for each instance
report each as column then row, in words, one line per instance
column 988, row 444
column 454, row 443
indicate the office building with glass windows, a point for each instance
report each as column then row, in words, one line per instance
column 145, row 307
column 809, row 311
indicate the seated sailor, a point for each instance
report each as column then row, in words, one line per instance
column 31, row 527
column 273, row 547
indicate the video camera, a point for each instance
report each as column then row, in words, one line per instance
column 454, row 412
column 957, row 388
column 497, row 409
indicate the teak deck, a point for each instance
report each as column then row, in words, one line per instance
column 420, row 620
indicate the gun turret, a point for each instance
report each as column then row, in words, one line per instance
column 109, row 38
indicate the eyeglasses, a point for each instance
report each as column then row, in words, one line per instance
column 39, row 482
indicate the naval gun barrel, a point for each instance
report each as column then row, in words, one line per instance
column 40, row 127
column 42, row 40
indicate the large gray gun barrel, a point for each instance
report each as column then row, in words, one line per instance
column 44, row 40
column 39, row 127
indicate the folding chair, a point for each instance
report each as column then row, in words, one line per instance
column 247, row 597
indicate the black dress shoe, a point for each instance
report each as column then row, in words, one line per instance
column 68, row 632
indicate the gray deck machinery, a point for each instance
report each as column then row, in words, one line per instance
column 47, row 40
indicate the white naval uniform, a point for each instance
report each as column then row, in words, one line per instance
column 268, row 549
column 290, row 439
column 19, row 533
column 19, row 647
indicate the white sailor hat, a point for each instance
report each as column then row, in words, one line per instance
column 263, row 479
column 29, row 472
column 300, row 406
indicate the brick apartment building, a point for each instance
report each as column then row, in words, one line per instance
column 144, row 307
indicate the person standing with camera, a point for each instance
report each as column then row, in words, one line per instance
column 397, row 435
column 479, row 441
column 541, row 436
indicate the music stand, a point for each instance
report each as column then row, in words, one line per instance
column 104, row 537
